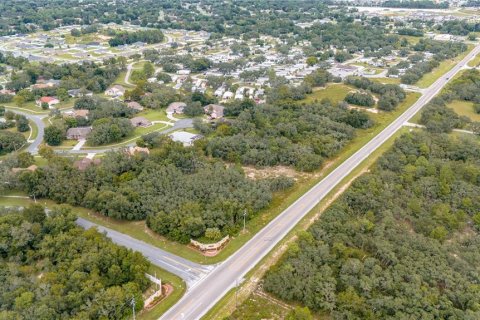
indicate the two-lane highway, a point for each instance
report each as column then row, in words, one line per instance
column 207, row 292
column 189, row 271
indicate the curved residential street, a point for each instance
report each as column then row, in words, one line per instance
column 37, row 120
column 197, row 301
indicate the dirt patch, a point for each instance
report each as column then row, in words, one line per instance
column 273, row 172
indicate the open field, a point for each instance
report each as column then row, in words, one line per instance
column 474, row 62
column 334, row 92
column 464, row 108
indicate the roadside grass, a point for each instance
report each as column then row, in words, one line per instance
column 34, row 130
column 235, row 296
column 411, row 39
column 121, row 80
column 179, row 286
column 335, row 92
column 475, row 62
column 154, row 115
column 464, row 108
column 280, row 201
column 429, row 78
column 386, row 80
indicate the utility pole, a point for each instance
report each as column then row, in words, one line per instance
column 244, row 217
column 236, row 293
column 133, row 307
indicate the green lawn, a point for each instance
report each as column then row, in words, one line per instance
column 429, row 78
column 475, row 62
column 154, row 115
column 387, row 80
column 464, row 108
column 334, row 92
column 412, row 39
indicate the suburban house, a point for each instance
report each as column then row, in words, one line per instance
column 115, row 91
column 214, row 111
column 76, row 93
column 134, row 105
column 140, row 122
column 51, row 101
column 176, row 107
column 80, row 113
column 85, row 163
column 132, row 150
column 186, row 138
column 79, row 133
column 6, row 91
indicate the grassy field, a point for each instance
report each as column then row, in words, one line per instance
column 334, row 92
column 412, row 39
column 475, row 62
column 464, row 108
column 153, row 115
column 445, row 66
column 280, row 201
column 387, row 80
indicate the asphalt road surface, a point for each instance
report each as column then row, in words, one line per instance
column 203, row 296
column 33, row 147
column 189, row 271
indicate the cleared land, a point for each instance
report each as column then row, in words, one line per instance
column 464, row 108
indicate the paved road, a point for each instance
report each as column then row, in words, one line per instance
column 197, row 301
column 189, row 271
column 37, row 119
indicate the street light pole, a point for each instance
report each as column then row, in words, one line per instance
column 244, row 217
column 133, row 307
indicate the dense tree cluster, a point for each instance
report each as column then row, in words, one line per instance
column 178, row 190
column 441, row 51
column 11, row 141
column 292, row 135
column 52, row 269
column 402, row 242
column 109, row 130
column 390, row 94
column 458, row 27
column 415, row 4
column 360, row 98
column 87, row 75
column 147, row 36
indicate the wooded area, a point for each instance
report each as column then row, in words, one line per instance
column 52, row 269
column 402, row 242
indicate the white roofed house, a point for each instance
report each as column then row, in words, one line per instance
column 219, row 92
column 115, row 91
column 214, row 111
column 186, row 138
